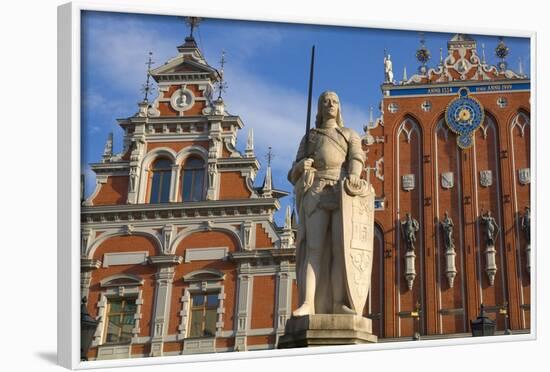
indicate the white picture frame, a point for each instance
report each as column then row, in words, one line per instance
column 69, row 31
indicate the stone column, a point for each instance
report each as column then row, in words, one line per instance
column 174, row 183
column 243, row 309
column 284, row 299
column 163, row 291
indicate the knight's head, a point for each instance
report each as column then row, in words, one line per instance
column 328, row 107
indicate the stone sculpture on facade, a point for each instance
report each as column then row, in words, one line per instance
column 409, row 228
column 526, row 228
column 491, row 231
column 447, row 226
column 388, row 69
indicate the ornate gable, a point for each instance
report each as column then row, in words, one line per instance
column 463, row 64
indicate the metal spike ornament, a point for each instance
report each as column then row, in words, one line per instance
column 269, row 156
column 501, row 51
column 221, row 85
column 423, row 55
column 193, row 22
column 148, row 87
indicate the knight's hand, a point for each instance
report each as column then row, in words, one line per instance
column 307, row 164
column 355, row 180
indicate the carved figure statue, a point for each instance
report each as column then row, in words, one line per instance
column 447, row 226
column 526, row 224
column 410, row 226
column 333, row 158
column 388, row 69
column 491, row 228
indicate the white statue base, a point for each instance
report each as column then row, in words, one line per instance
column 326, row 330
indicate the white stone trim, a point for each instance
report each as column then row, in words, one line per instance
column 161, row 311
column 198, row 227
column 148, row 159
column 100, row 179
column 128, row 291
column 214, row 284
column 119, row 230
column 125, row 258
column 201, row 254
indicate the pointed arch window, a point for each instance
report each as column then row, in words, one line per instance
column 160, row 181
column 193, row 180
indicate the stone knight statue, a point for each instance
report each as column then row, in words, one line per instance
column 325, row 177
column 526, row 224
column 410, row 226
column 447, row 226
column 388, row 69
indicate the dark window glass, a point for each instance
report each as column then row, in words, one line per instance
column 204, row 314
column 120, row 320
column 193, row 180
column 160, row 183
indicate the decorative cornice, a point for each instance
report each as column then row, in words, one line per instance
column 209, row 209
column 259, row 256
column 169, row 259
column 87, row 264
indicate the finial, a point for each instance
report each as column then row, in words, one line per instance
column 147, row 87
column 371, row 120
column 483, row 53
column 249, row 151
column 193, row 22
column 108, row 149
column 501, row 51
column 441, row 56
column 405, row 77
column 222, row 85
column 423, row 55
column 520, row 67
column 269, row 156
column 288, row 218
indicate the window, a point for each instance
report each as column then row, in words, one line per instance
column 193, row 180
column 120, row 320
column 204, row 314
column 160, row 184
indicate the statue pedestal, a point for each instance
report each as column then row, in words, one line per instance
column 325, row 330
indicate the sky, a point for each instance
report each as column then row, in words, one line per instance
column 266, row 70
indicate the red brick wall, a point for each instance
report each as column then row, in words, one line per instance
column 263, row 301
column 233, row 186
column 262, row 239
column 114, row 191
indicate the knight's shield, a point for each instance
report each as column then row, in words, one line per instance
column 357, row 232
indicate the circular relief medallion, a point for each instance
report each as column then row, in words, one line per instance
column 182, row 99
column 464, row 115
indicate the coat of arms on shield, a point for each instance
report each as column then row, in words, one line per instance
column 486, row 178
column 407, row 182
column 524, row 175
column 447, row 180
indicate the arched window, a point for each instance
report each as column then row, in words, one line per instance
column 193, row 180
column 160, row 183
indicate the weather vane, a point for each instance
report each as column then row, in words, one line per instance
column 193, row 22
column 222, row 85
column 269, row 156
column 147, row 87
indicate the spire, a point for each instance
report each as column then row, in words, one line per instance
column 108, row 149
column 520, row 67
column 249, row 151
column 483, row 60
column 288, row 218
column 267, row 187
column 441, row 56
column 371, row 120
column 405, row 78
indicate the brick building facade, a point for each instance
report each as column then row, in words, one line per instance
column 181, row 254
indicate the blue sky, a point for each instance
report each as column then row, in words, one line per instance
column 266, row 71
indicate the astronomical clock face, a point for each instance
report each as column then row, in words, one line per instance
column 464, row 115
